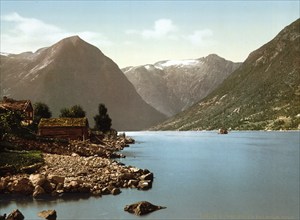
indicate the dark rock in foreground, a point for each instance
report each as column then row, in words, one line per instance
column 142, row 208
column 15, row 215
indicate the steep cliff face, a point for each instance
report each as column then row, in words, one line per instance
column 174, row 85
column 74, row 72
column 264, row 93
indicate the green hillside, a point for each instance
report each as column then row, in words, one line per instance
column 264, row 93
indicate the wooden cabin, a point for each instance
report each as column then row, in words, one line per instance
column 65, row 128
column 22, row 106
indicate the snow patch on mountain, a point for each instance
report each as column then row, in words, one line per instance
column 148, row 67
column 178, row 63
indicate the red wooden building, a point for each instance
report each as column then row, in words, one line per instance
column 65, row 128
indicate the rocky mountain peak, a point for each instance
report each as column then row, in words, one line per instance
column 75, row 48
column 170, row 86
column 74, row 40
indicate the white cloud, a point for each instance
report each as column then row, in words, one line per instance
column 29, row 34
column 163, row 28
column 200, row 37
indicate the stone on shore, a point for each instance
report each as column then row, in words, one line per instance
column 148, row 176
column 15, row 215
column 48, row 214
column 23, row 186
column 37, row 179
column 142, row 208
column 56, row 179
column 38, row 191
column 144, row 185
column 133, row 183
column 115, row 191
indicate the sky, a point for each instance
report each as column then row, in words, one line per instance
column 143, row 32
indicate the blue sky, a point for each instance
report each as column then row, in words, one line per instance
column 141, row 32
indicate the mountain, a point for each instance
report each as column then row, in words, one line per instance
column 74, row 72
column 264, row 93
column 174, row 85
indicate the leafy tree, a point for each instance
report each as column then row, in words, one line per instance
column 41, row 110
column 102, row 120
column 10, row 123
column 75, row 111
column 65, row 113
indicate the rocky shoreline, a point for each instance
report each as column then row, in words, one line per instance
column 77, row 167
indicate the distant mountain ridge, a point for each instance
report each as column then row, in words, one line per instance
column 174, row 85
column 74, row 72
column 263, row 94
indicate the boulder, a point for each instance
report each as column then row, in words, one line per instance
column 3, row 217
column 145, row 171
column 97, row 193
column 105, row 191
column 38, row 191
column 135, row 170
column 23, row 186
column 37, row 179
column 133, row 183
column 144, row 185
column 74, row 184
column 15, row 215
column 126, row 176
column 47, row 186
column 48, row 214
column 115, row 191
column 148, row 176
column 56, row 179
column 59, row 186
column 142, row 208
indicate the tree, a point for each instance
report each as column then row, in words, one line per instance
column 65, row 113
column 75, row 111
column 41, row 110
column 102, row 120
column 10, row 123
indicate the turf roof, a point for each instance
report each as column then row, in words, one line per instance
column 63, row 122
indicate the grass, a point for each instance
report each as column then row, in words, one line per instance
column 19, row 159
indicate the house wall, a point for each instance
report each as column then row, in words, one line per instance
column 73, row 133
column 28, row 114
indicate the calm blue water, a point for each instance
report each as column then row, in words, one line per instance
column 198, row 175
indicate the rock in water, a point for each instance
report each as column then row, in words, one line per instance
column 3, row 217
column 15, row 215
column 142, row 208
column 48, row 214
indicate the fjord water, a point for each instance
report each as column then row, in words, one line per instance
column 198, row 175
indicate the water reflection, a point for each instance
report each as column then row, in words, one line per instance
column 24, row 201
